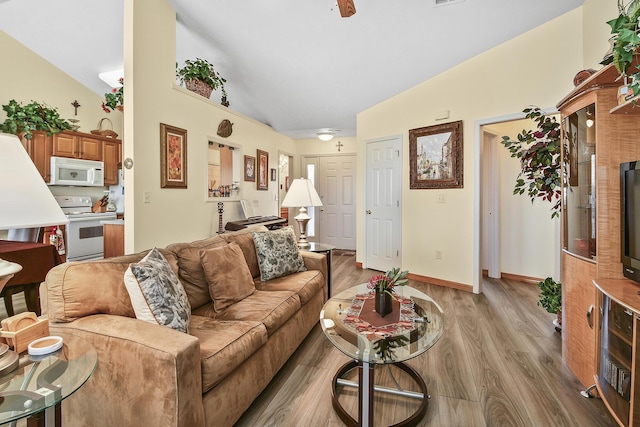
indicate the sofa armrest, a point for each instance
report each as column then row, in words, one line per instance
column 317, row 261
column 146, row 374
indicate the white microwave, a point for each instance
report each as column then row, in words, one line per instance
column 83, row 173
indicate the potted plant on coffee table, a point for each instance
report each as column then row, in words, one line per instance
column 550, row 299
column 200, row 77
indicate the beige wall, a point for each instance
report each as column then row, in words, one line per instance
column 25, row 76
column 596, row 31
column 498, row 82
column 151, row 98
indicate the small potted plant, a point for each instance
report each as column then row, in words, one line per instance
column 383, row 285
column 114, row 100
column 24, row 119
column 625, row 30
column 200, row 77
column 539, row 154
column 550, row 299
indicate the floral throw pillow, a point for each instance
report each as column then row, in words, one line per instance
column 278, row 253
column 156, row 293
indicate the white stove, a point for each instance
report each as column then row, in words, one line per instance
column 84, row 238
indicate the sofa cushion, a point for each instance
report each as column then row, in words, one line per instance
column 228, row 275
column 244, row 239
column 306, row 284
column 225, row 345
column 191, row 272
column 278, row 253
column 157, row 296
column 74, row 290
column 273, row 308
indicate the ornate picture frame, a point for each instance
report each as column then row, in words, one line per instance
column 249, row 168
column 173, row 157
column 436, row 156
column 262, row 170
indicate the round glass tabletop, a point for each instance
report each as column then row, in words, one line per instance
column 350, row 323
column 40, row 382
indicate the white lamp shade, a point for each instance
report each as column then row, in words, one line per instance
column 25, row 199
column 301, row 194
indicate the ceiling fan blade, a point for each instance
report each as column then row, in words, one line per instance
column 347, row 8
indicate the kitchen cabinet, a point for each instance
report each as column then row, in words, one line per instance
column 77, row 145
column 39, row 148
column 74, row 145
column 112, row 158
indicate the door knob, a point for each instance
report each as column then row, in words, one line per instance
column 368, row 211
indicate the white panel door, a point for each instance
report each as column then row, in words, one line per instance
column 337, row 187
column 383, row 215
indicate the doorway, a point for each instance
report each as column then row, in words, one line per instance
column 516, row 238
column 383, row 203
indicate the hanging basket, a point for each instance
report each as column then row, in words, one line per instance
column 105, row 132
column 199, row 87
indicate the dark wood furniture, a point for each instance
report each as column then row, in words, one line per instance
column 270, row 222
column 36, row 260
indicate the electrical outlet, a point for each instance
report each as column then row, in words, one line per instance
column 146, row 197
column 441, row 198
column 438, row 253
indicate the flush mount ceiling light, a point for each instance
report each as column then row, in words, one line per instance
column 112, row 78
column 325, row 135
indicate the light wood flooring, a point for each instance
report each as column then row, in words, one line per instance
column 498, row 363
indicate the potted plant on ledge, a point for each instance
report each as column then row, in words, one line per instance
column 114, row 100
column 200, row 77
column 550, row 299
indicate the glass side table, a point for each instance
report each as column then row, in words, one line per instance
column 36, row 389
column 328, row 251
column 350, row 323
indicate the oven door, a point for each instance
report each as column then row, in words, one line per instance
column 85, row 238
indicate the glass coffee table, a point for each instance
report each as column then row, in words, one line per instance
column 36, row 388
column 350, row 323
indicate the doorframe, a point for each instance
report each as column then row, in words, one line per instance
column 490, row 160
column 363, row 230
column 477, row 186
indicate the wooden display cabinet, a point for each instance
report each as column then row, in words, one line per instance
column 591, row 157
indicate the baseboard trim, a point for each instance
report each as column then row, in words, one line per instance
column 516, row 277
column 433, row 281
column 440, row 282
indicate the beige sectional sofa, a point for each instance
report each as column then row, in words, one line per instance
column 151, row 375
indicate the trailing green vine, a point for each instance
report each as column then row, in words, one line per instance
column 626, row 32
column 31, row 117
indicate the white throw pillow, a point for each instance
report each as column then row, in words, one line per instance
column 156, row 293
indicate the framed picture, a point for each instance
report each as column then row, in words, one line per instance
column 249, row 168
column 571, row 162
column 263, row 170
column 173, row 157
column 435, row 156
column 273, row 174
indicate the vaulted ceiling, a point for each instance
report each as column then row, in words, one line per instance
column 295, row 65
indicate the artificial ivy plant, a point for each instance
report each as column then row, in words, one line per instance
column 626, row 32
column 24, row 119
column 539, row 154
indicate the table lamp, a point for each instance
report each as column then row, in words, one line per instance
column 26, row 199
column 302, row 194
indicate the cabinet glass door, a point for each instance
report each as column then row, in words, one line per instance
column 614, row 372
column 579, row 213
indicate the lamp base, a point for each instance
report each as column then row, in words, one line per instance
column 303, row 219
